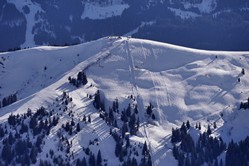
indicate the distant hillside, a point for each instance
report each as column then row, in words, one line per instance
column 203, row 24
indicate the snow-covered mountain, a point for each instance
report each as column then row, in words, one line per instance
column 205, row 24
column 176, row 84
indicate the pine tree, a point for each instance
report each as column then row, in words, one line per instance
column 215, row 126
column 78, row 127
column 87, row 151
column 111, row 116
column 153, row 116
column 84, row 80
column 199, row 126
column 92, row 160
column 209, row 130
column 78, row 162
column 124, row 129
column 128, row 110
column 188, row 125
column 70, row 132
column 118, row 149
column 33, row 154
column 4, row 102
column 72, row 122
column 84, row 163
column 89, row 119
column 183, row 129
column 1, row 132
column 187, row 161
column 216, row 162
column 149, row 161
column 221, row 162
column 124, row 116
column 7, row 153
column 128, row 161
column 84, row 118
column 99, row 158
column 127, row 142
column 97, row 102
column 134, row 162
column 121, row 156
column 175, row 152
column 80, row 76
column 132, row 123
column 114, row 106
column 11, row 139
column 149, row 109
column 145, row 149
column 137, row 123
column 136, row 109
column 243, row 71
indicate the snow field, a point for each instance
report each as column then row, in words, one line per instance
column 181, row 83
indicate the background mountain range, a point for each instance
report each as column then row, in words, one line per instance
column 205, row 24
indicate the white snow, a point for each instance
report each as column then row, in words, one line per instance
column 30, row 18
column 216, row 14
column 96, row 11
column 1, row 14
column 244, row 9
column 181, row 83
column 137, row 29
column 184, row 14
column 205, row 6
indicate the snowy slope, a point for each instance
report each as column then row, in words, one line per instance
column 181, row 83
column 98, row 12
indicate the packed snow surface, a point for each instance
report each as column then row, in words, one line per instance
column 181, row 83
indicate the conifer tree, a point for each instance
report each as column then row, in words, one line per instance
column 243, row 71
column 134, row 162
column 7, row 153
column 89, row 119
column 215, row 126
column 128, row 110
column 188, row 125
column 149, row 161
column 209, row 130
column 99, row 158
column 78, row 127
column 136, row 109
column 84, row 163
column 149, row 109
column 145, row 149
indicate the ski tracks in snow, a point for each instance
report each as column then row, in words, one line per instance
column 159, row 86
column 134, row 88
column 160, row 152
column 131, row 68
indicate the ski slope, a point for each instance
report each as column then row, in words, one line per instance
column 181, row 83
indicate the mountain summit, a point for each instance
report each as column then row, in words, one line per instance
column 120, row 100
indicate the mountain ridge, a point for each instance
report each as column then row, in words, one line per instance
column 181, row 84
column 209, row 24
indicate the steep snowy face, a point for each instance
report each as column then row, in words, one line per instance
column 205, row 24
column 162, row 86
